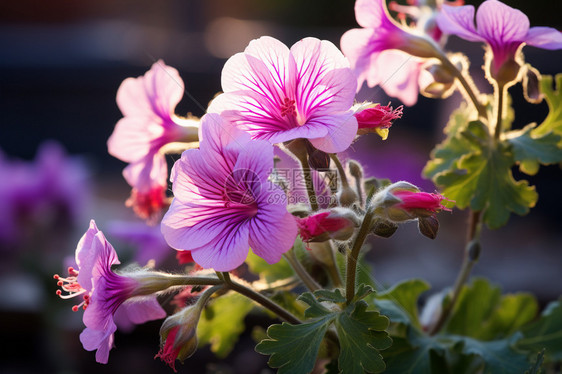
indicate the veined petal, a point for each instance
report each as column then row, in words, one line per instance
column 323, row 77
column 499, row 23
column 342, row 129
column 138, row 310
column 188, row 226
column 459, row 21
column 261, row 68
column 273, row 230
column 544, row 37
column 357, row 47
column 92, row 256
column 228, row 250
column 102, row 340
column 157, row 92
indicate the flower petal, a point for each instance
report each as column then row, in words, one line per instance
column 544, row 37
column 459, row 21
column 500, row 24
column 102, row 340
column 342, row 129
column 273, row 230
column 398, row 74
column 157, row 92
column 148, row 172
column 228, row 250
column 370, row 13
column 136, row 311
column 324, row 80
column 133, row 136
column 90, row 255
column 357, row 47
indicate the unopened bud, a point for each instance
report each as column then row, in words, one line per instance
column 473, row 250
column 317, row 159
column 347, row 196
column 383, row 228
column 337, row 224
column 441, row 82
column 376, row 118
column 355, row 169
column 428, row 226
column 323, row 252
column 299, row 210
column 531, row 89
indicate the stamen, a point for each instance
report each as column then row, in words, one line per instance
column 72, row 289
column 288, row 108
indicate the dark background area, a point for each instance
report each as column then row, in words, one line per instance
column 61, row 63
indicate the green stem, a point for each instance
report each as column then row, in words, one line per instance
column 469, row 260
column 298, row 148
column 499, row 112
column 341, row 170
column 351, row 269
column 333, row 270
column 260, row 299
column 306, row 278
column 468, row 88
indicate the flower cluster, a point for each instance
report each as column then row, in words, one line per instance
column 234, row 209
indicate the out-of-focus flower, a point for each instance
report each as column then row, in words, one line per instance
column 386, row 54
column 104, row 292
column 223, row 201
column 376, row 118
column 149, row 123
column 50, row 191
column 503, row 28
column 338, row 224
column 280, row 94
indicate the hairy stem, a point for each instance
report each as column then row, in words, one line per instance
column 469, row 260
column 260, row 299
column 306, row 278
column 468, row 88
column 499, row 111
column 351, row 269
column 341, row 170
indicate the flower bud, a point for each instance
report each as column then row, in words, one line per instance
column 347, row 196
column 355, row 169
column 317, row 159
column 337, row 224
column 428, row 226
column 531, row 89
column 383, row 228
column 322, row 252
column 442, row 82
column 376, row 118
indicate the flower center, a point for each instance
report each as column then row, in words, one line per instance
column 72, row 289
column 288, row 108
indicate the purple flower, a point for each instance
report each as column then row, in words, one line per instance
column 280, row 94
column 149, row 123
column 50, row 191
column 105, row 293
column 503, row 28
column 223, row 201
column 383, row 53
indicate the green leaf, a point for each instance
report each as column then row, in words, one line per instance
column 224, row 323
column 498, row 355
column 269, row 273
column 546, row 332
column 531, row 150
column 553, row 121
column 536, row 367
column 446, row 154
column 483, row 313
column 361, row 334
column 294, row 348
column 399, row 302
column 483, row 180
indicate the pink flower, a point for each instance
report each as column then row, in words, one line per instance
column 377, row 118
column 335, row 224
column 415, row 204
column 280, row 94
column 104, row 293
column 223, row 201
column 503, row 28
column 149, row 123
column 382, row 53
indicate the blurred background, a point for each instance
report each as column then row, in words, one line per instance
column 61, row 63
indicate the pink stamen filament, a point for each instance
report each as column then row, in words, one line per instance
column 73, row 289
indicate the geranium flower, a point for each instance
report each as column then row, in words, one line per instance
column 149, row 123
column 383, row 53
column 503, row 28
column 280, row 94
column 338, row 224
column 105, row 293
column 223, row 201
column 376, row 118
column 415, row 204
